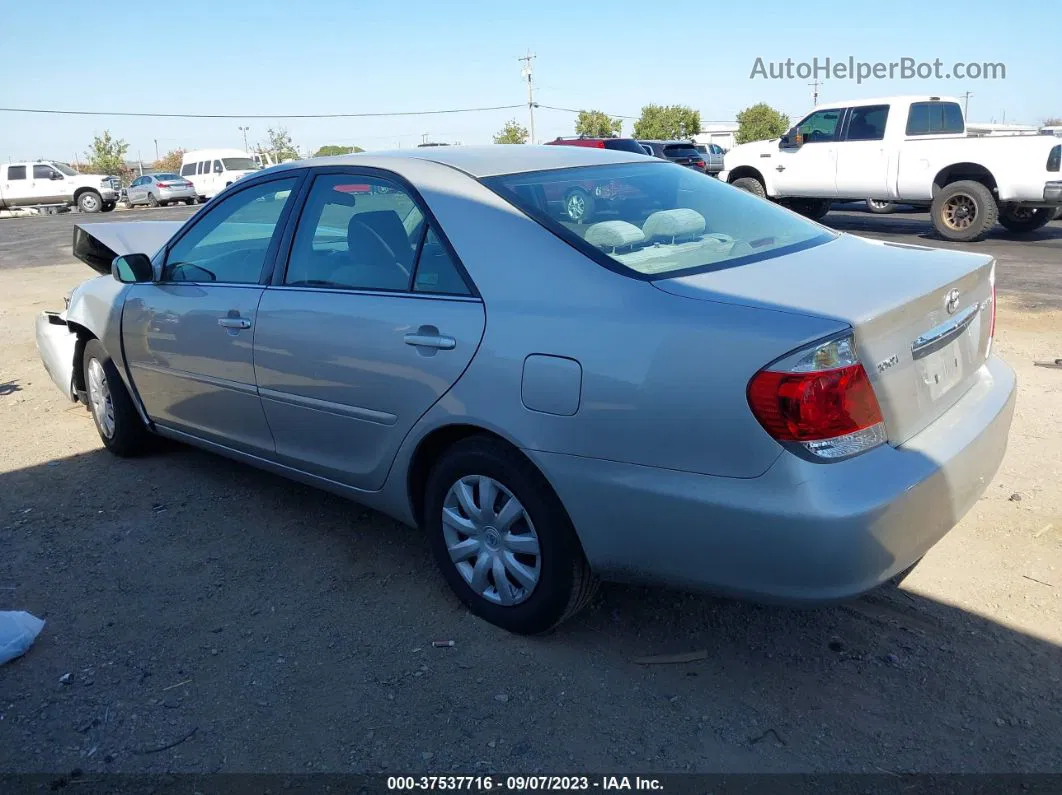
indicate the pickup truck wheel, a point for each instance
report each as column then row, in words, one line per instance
column 1025, row 219
column 116, row 418
column 964, row 211
column 815, row 209
column 579, row 205
column 880, row 207
column 750, row 185
column 89, row 202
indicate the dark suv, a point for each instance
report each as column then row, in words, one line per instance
column 682, row 152
column 622, row 144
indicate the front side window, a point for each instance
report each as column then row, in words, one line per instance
column 935, row 118
column 217, row 167
column 868, row 123
column 238, row 164
column 820, row 126
column 657, row 219
column 42, row 172
column 231, row 241
column 355, row 232
column 16, row 172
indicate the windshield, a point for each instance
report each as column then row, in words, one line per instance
column 239, row 164
column 657, row 219
column 65, row 169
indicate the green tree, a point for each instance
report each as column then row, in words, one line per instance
column 106, row 155
column 667, row 122
column 280, row 145
column 761, row 122
column 332, row 149
column 511, row 133
column 171, row 161
column 597, row 124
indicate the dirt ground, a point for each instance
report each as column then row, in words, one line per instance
column 260, row 626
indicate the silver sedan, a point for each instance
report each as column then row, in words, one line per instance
column 689, row 386
column 157, row 190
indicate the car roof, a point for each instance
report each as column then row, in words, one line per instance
column 902, row 99
column 483, row 161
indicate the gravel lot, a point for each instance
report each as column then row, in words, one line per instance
column 274, row 628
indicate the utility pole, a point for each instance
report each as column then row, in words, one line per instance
column 526, row 72
column 140, row 162
column 966, row 105
column 156, row 150
column 423, row 138
column 244, row 131
column 815, row 93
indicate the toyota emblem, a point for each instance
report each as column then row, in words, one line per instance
column 951, row 301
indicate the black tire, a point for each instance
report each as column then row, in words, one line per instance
column 109, row 206
column 565, row 584
column 815, row 209
column 880, row 207
column 964, row 211
column 190, row 202
column 89, row 202
column 1020, row 220
column 579, row 206
column 750, row 185
column 152, row 200
column 129, row 437
column 1058, row 214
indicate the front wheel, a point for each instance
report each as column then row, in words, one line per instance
column 964, row 211
column 115, row 416
column 502, row 538
column 1025, row 219
column 750, row 185
column 89, row 202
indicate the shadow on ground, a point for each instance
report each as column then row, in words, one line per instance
column 258, row 625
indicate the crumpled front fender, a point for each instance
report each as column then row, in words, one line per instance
column 57, row 345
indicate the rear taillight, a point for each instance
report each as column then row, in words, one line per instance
column 164, row 184
column 819, row 399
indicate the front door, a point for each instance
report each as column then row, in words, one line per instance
column 188, row 337
column 372, row 322
column 862, row 159
column 808, row 167
column 46, row 184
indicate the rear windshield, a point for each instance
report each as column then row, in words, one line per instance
column 657, row 219
column 166, row 176
column 624, row 145
column 680, row 150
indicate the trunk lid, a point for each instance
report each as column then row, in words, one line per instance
column 921, row 316
column 98, row 244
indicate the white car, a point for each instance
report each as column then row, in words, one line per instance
column 912, row 150
column 213, row 170
column 48, row 182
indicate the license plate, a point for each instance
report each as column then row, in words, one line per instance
column 942, row 370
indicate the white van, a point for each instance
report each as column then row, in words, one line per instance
column 212, row 170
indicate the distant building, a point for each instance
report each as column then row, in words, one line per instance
column 723, row 133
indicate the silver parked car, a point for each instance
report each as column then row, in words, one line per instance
column 157, row 190
column 699, row 388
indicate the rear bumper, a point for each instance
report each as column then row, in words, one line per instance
column 1053, row 192
column 177, row 194
column 804, row 532
column 56, row 344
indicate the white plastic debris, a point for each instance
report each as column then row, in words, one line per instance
column 18, row 630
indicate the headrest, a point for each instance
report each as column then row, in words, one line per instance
column 613, row 234
column 671, row 224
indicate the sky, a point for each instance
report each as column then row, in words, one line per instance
column 354, row 56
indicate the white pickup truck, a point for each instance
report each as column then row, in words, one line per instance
column 49, row 182
column 912, row 150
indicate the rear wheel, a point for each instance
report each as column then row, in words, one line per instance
column 964, row 211
column 750, row 185
column 579, row 205
column 502, row 539
column 815, row 209
column 152, row 200
column 880, row 207
column 116, row 418
column 189, row 202
column 1025, row 219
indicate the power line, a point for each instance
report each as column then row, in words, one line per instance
column 256, row 115
column 573, row 110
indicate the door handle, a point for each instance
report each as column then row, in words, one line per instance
column 780, row 168
column 438, row 341
column 234, row 322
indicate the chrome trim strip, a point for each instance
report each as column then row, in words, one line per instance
column 939, row 336
column 224, row 383
column 327, row 406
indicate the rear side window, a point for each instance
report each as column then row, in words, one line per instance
column 624, row 145
column 204, row 167
column 188, row 170
column 16, row 172
column 436, row 272
column 935, row 118
column 868, row 123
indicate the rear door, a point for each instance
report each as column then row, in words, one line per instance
column 188, row 336
column 371, row 322
column 862, row 158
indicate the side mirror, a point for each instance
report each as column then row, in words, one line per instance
column 56, row 175
column 132, row 269
column 792, row 139
column 218, row 170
